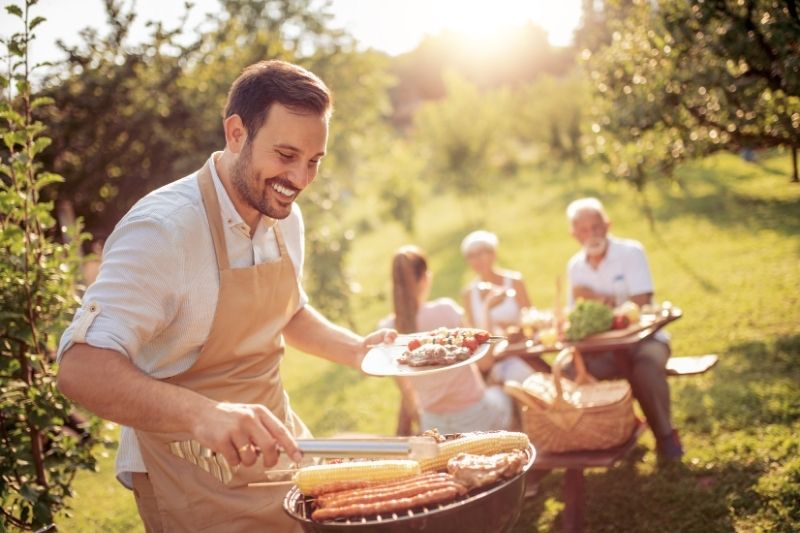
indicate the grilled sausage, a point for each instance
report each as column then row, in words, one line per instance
column 445, row 493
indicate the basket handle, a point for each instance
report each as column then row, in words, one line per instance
column 518, row 392
column 582, row 375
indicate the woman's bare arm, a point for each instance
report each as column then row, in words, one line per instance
column 466, row 303
column 521, row 295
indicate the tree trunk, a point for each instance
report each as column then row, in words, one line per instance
column 65, row 213
column 795, row 178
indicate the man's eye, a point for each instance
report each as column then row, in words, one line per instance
column 285, row 156
column 313, row 162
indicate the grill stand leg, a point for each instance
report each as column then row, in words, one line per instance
column 574, row 500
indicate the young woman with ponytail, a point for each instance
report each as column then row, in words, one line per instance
column 454, row 401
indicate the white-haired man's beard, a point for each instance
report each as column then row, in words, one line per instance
column 596, row 246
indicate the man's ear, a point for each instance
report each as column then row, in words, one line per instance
column 235, row 133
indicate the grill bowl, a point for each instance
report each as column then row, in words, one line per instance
column 492, row 509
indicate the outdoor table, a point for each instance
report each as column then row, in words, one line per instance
column 614, row 340
column 574, row 463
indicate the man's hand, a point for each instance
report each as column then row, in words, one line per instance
column 381, row 336
column 240, row 431
column 107, row 383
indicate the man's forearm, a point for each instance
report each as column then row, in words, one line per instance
column 312, row 333
column 108, row 384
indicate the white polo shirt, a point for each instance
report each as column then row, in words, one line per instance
column 156, row 292
column 624, row 258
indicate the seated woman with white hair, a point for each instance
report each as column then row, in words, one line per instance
column 495, row 298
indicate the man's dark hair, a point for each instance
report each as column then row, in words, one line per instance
column 264, row 83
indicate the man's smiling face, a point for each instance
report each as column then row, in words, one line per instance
column 590, row 228
column 274, row 167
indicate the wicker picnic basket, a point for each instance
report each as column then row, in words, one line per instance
column 560, row 415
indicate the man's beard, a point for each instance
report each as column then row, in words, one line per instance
column 596, row 247
column 245, row 180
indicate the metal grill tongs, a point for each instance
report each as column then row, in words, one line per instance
column 361, row 448
column 378, row 447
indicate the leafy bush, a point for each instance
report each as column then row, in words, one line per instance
column 38, row 274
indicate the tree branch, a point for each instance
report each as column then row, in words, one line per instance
column 742, row 138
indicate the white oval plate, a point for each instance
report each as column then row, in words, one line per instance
column 382, row 361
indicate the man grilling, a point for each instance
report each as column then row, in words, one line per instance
column 182, row 334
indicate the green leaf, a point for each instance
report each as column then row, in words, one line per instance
column 23, row 86
column 42, row 101
column 29, row 493
column 14, row 10
column 12, row 116
column 14, row 48
column 35, row 22
column 40, row 144
column 46, row 178
column 42, row 514
column 14, row 138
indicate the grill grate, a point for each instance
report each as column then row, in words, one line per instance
column 300, row 507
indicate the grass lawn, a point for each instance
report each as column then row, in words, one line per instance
column 724, row 245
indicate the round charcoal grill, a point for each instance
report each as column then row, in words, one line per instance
column 490, row 509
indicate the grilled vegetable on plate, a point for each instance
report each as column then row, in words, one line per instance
column 429, row 352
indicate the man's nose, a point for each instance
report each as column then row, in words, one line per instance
column 300, row 176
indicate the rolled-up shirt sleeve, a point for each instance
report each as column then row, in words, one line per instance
column 137, row 292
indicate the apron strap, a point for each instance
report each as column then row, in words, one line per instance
column 279, row 240
column 211, row 205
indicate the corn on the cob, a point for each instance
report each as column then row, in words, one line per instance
column 310, row 478
column 488, row 443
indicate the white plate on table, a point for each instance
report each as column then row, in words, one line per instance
column 382, row 360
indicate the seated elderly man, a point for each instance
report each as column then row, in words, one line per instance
column 611, row 270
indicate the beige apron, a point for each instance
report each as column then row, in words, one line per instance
column 240, row 362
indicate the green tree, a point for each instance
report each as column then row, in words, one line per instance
column 463, row 135
column 549, row 113
column 126, row 124
column 690, row 77
column 38, row 275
